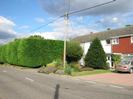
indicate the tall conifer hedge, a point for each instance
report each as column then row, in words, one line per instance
column 31, row 52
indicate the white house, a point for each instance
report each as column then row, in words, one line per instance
column 106, row 41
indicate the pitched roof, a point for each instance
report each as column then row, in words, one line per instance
column 105, row 34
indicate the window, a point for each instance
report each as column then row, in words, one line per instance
column 132, row 63
column 108, row 41
column 115, row 41
column 131, row 39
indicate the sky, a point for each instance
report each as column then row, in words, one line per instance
column 20, row 18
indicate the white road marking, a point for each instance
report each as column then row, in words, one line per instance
column 31, row 80
column 116, row 86
column 4, row 71
column 92, row 82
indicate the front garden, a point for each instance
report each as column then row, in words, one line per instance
column 47, row 55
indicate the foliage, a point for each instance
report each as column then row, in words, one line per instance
column 74, row 52
column 116, row 59
column 36, row 37
column 68, row 70
column 96, row 57
column 31, row 52
column 75, row 67
column 56, row 63
column 71, row 68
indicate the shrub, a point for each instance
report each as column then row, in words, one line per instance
column 68, row 70
column 12, row 52
column 35, row 52
column 116, row 59
column 31, row 52
column 75, row 67
column 96, row 57
column 74, row 52
column 56, row 63
column 71, row 68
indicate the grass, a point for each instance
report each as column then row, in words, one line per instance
column 83, row 73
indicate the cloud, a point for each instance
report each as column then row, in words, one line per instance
column 59, row 7
column 114, row 21
column 24, row 27
column 61, row 31
column 39, row 20
column 6, row 29
column 114, row 15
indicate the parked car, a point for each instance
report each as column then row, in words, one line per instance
column 125, row 66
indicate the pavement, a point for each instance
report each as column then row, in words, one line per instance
column 123, row 79
column 23, row 84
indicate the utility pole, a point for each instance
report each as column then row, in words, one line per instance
column 65, row 38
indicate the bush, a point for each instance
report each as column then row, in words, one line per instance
column 68, row 70
column 31, row 52
column 12, row 52
column 71, row 68
column 74, row 52
column 75, row 67
column 116, row 59
column 56, row 63
column 96, row 57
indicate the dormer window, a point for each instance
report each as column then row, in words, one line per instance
column 115, row 41
column 131, row 39
column 108, row 41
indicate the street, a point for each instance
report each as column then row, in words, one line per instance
column 20, row 84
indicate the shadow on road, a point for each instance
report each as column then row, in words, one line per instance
column 56, row 95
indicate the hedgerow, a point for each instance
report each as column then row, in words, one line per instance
column 31, row 52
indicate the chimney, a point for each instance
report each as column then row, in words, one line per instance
column 108, row 29
column 91, row 32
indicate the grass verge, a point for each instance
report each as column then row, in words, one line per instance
column 83, row 73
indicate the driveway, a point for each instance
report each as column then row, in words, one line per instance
column 113, row 78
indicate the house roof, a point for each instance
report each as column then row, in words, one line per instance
column 106, row 34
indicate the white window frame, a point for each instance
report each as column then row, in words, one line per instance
column 131, row 39
column 115, row 41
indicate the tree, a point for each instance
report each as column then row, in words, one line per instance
column 36, row 37
column 74, row 52
column 96, row 57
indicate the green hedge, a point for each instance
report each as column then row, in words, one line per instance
column 31, row 52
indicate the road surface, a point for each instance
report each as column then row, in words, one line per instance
column 21, row 84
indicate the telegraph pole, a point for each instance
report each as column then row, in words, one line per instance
column 65, row 38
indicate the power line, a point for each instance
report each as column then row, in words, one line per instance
column 78, row 11
column 73, row 12
column 47, row 23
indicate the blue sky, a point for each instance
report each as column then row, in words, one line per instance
column 19, row 17
column 23, row 13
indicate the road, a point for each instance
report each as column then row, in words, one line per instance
column 21, row 84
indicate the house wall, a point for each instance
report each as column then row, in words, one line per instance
column 124, row 47
column 106, row 47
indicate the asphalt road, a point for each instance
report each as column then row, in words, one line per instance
column 20, row 84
